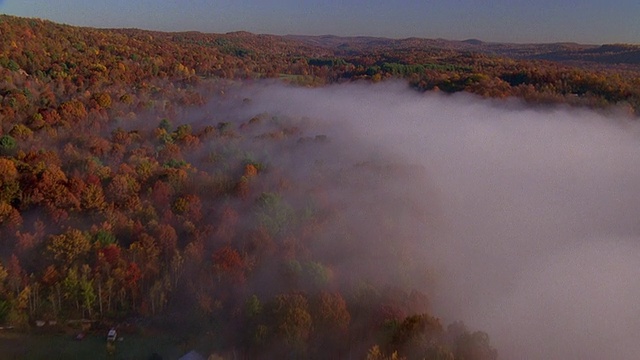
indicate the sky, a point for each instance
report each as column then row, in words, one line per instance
column 520, row 21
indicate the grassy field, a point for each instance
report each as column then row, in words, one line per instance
column 22, row 346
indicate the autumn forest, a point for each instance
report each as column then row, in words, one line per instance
column 136, row 184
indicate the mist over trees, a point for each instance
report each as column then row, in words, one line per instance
column 151, row 175
column 247, row 228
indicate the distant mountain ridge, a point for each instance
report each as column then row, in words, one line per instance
column 560, row 52
column 565, row 52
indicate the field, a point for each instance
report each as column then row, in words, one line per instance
column 24, row 346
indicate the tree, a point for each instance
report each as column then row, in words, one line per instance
column 7, row 144
column 3, row 276
column 331, row 321
column 229, row 264
column 226, row 229
column 376, row 354
column 71, row 287
column 316, row 275
column 48, row 186
column 188, row 206
column 9, row 217
column 123, row 191
column 132, row 277
column 5, row 308
column 161, row 194
column 292, row 322
column 331, row 313
column 103, row 100
column 69, row 247
column 145, row 254
column 165, row 124
column 86, row 291
column 51, row 281
column 167, row 240
column 21, row 132
column 73, row 111
column 15, row 275
column 274, row 214
column 92, row 198
column 415, row 334
column 470, row 345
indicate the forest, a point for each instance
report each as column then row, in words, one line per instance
column 129, row 190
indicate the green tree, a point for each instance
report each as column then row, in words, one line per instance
column 71, row 287
column 5, row 308
column 275, row 215
column 86, row 291
column 7, row 144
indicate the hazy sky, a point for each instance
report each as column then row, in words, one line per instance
column 585, row 21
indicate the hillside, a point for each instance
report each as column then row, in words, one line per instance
column 136, row 183
column 569, row 53
column 582, row 75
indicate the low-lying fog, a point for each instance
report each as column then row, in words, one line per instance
column 534, row 234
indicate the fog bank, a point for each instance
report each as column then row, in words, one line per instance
column 533, row 234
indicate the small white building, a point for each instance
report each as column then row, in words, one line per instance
column 112, row 335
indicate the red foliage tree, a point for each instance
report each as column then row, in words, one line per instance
column 228, row 263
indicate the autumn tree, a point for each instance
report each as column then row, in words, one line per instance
column 92, row 198
column 331, row 320
column 72, row 111
column 69, row 248
column 123, row 191
column 5, row 305
column 229, row 264
column 292, row 322
column 9, row 184
column 146, row 255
